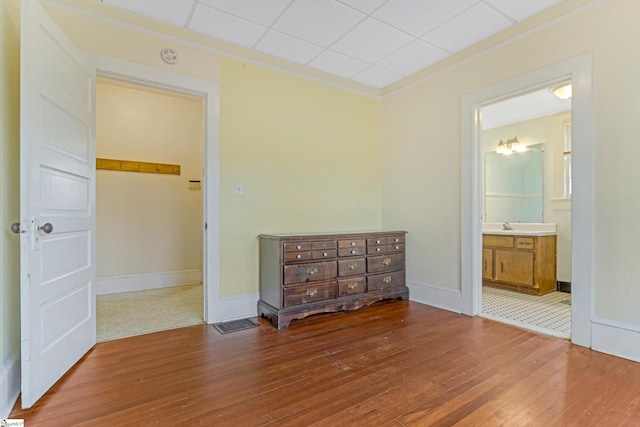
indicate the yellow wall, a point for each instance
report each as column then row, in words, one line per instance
column 548, row 131
column 422, row 137
column 9, row 202
column 307, row 154
column 148, row 223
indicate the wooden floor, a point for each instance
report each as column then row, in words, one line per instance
column 393, row 364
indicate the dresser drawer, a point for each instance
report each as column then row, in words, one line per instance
column 497, row 241
column 297, row 256
column 351, row 286
column 395, row 247
column 525, row 242
column 395, row 239
column 310, row 272
column 324, row 244
column 303, row 294
column 324, row 253
column 348, row 243
column 385, row 263
column 352, row 251
column 351, row 267
column 297, row 246
column 375, row 241
column 377, row 249
column 386, row 280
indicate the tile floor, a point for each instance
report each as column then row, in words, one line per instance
column 549, row 314
column 134, row 313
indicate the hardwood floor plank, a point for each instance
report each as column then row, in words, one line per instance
column 391, row 364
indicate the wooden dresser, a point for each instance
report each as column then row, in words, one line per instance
column 301, row 275
column 520, row 262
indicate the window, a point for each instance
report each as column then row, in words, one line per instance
column 567, row 160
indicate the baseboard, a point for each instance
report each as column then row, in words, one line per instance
column 235, row 307
column 9, row 386
column 446, row 299
column 141, row 282
column 616, row 338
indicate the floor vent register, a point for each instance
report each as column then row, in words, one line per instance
column 234, row 325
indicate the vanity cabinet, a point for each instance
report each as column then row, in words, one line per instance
column 301, row 275
column 523, row 263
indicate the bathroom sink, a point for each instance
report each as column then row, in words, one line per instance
column 521, row 229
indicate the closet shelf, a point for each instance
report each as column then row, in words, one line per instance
column 133, row 166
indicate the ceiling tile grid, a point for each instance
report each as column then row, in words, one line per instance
column 374, row 42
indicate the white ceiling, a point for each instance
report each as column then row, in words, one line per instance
column 526, row 107
column 374, row 42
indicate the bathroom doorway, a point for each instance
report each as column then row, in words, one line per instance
column 149, row 218
column 526, row 210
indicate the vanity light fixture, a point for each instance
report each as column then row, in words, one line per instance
column 510, row 146
column 562, row 92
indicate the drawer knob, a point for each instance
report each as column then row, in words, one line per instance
column 299, row 257
column 353, row 251
column 353, row 243
column 299, row 246
column 312, row 271
column 397, row 247
column 312, row 292
column 352, row 286
column 378, row 241
column 377, row 249
column 386, row 261
column 324, row 254
column 386, row 279
column 352, row 266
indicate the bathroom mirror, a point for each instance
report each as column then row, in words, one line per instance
column 513, row 186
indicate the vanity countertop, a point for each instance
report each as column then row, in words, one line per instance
column 521, row 229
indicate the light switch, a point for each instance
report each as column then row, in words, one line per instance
column 239, row 189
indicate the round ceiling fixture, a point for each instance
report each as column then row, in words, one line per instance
column 169, row 56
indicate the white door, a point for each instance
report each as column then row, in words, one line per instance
column 57, row 179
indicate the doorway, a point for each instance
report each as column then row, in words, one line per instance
column 579, row 71
column 526, row 210
column 149, row 209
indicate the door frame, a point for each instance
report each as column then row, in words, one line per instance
column 579, row 71
column 210, row 94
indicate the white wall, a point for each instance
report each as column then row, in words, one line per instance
column 148, row 224
column 9, row 208
column 548, row 131
column 422, row 146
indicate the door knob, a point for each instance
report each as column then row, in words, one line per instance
column 15, row 227
column 47, row 228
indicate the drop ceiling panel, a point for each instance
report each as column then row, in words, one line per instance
column 340, row 65
column 522, row 9
column 259, row 11
column 419, row 16
column 174, row 12
column 412, row 58
column 377, row 77
column 321, row 22
column 223, row 26
column 366, row 6
column 287, row 47
column 471, row 26
column 371, row 41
